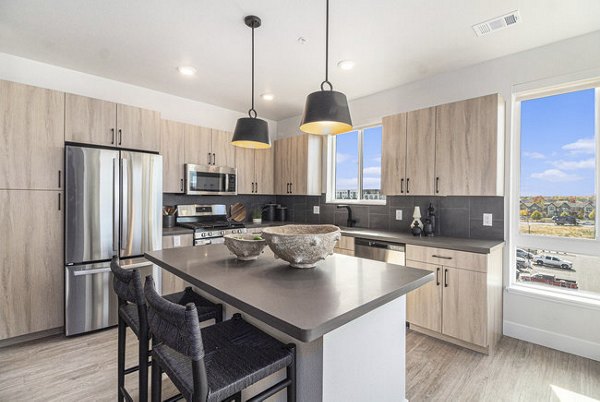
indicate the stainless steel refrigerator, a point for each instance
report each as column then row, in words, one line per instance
column 113, row 206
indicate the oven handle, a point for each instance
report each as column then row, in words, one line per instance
column 84, row 272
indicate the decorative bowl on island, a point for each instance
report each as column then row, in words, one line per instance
column 246, row 246
column 302, row 245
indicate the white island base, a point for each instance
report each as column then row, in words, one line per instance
column 363, row 360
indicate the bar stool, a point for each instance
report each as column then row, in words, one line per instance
column 217, row 362
column 127, row 284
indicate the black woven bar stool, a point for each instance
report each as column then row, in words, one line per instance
column 217, row 362
column 127, row 284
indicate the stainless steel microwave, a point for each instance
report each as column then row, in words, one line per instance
column 210, row 180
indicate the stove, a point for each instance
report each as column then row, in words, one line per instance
column 209, row 223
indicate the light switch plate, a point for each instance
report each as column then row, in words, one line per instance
column 176, row 241
column 316, row 210
column 398, row 214
column 487, row 219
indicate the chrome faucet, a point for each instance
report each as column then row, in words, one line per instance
column 349, row 222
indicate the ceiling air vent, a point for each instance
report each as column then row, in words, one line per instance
column 498, row 23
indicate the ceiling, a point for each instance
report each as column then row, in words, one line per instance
column 391, row 41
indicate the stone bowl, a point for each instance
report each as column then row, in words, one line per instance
column 302, row 245
column 245, row 246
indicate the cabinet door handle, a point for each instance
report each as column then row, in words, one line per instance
column 437, row 276
column 445, row 278
column 437, row 185
column 59, row 201
column 181, row 185
column 291, row 188
column 209, row 158
column 402, row 186
column 59, row 178
column 112, row 136
column 120, row 136
column 256, row 187
column 441, row 256
column 214, row 159
column 407, row 181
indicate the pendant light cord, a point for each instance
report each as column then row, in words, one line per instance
column 327, row 49
column 252, row 110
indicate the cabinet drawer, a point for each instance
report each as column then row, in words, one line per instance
column 346, row 243
column 448, row 258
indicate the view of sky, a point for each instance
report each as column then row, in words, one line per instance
column 558, row 146
column 346, row 171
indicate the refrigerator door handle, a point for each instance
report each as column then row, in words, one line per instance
column 115, row 206
column 124, row 204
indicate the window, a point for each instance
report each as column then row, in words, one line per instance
column 355, row 160
column 556, row 230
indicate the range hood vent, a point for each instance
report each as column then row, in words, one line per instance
column 498, row 23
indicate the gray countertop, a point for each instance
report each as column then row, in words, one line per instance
column 176, row 230
column 303, row 303
column 452, row 243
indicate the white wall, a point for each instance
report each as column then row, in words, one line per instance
column 18, row 69
column 560, row 325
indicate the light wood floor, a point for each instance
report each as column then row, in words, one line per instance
column 84, row 369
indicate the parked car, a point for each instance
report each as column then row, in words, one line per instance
column 523, row 264
column 553, row 261
column 549, row 280
column 565, row 220
column 524, row 254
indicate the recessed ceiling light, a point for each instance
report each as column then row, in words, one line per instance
column 267, row 97
column 346, row 64
column 186, row 70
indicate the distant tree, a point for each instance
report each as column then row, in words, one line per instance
column 572, row 199
column 536, row 215
column 565, row 213
column 592, row 214
column 580, row 215
column 538, row 199
column 523, row 212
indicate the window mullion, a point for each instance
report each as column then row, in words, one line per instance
column 360, row 163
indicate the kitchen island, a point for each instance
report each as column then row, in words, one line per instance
column 346, row 316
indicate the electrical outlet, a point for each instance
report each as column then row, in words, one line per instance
column 487, row 219
column 176, row 241
column 316, row 210
column 398, row 214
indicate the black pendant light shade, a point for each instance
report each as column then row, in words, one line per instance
column 326, row 111
column 251, row 132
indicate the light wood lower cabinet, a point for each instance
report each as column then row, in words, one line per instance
column 172, row 283
column 32, row 264
column 463, row 304
column 345, row 245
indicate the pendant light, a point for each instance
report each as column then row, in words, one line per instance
column 326, row 111
column 251, row 132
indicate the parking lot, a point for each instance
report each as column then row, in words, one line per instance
column 586, row 271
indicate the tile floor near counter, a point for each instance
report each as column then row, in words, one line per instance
column 435, row 370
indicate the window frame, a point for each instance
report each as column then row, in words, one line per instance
column 589, row 247
column 331, row 167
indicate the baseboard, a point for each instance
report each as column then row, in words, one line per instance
column 553, row 340
column 30, row 337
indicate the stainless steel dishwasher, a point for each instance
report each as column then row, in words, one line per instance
column 394, row 253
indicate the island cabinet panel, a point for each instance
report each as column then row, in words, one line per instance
column 138, row 128
column 172, row 283
column 420, row 152
column 198, row 145
column 393, row 154
column 90, row 121
column 424, row 305
column 221, row 148
column 172, row 149
column 32, row 265
column 298, row 165
column 32, row 136
column 464, row 303
column 470, row 147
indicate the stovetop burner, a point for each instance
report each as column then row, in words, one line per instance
column 217, row 225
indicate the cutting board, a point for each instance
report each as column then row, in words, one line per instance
column 237, row 212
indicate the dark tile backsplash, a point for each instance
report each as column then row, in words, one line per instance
column 456, row 216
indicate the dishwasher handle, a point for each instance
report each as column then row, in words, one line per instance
column 379, row 244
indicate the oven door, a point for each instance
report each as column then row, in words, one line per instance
column 210, row 180
column 206, row 242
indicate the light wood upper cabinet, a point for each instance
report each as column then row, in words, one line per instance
column 172, row 149
column 470, row 147
column 32, row 137
column 254, row 170
column 198, row 145
column 393, row 154
column 298, row 165
column 32, row 265
column 138, row 128
column 263, row 167
column 424, row 304
column 90, row 121
column 223, row 151
column 172, row 283
column 420, row 152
